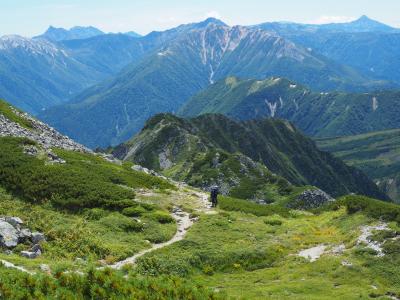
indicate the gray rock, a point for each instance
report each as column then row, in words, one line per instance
column 31, row 255
column 37, row 237
column 311, row 199
column 24, row 234
column 36, row 248
column 14, row 221
column 8, row 235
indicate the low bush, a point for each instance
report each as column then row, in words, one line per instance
column 116, row 221
column 105, row 284
column 273, row 222
column 373, row 208
column 85, row 181
column 162, row 217
column 134, row 211
column 232, row 204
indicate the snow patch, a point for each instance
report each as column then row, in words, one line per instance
column 374, row 104
column 272, row 107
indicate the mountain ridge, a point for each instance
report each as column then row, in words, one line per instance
column 317, row 114
column 171, row 144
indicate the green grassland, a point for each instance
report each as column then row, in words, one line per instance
column 254, row 257
column 89, row 209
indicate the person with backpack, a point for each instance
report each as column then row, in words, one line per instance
column 214, row 196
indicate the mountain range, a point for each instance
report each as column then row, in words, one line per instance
column 188, row 59
column 123, row 80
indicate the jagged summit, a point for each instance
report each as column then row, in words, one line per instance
column 76, row 32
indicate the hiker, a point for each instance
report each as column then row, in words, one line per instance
column 214, row 196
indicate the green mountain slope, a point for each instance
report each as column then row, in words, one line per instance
column 187, row 149
column 317, row 114
column 376, row 153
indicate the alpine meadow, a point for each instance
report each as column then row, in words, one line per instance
column 210, row 150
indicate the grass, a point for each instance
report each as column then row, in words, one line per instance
column 234, row 250
column 92, row 235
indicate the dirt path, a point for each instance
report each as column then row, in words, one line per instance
column 184, row 223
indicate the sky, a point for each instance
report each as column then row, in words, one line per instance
column 32, row 17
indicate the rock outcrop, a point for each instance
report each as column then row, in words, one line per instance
column 12, row 234
column 44, row 135
column 310, row 199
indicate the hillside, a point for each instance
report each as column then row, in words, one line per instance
column 160, row 239
column 316, row 114
column 376, row 153
column 204, row 150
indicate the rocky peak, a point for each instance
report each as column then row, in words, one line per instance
column 34, row 46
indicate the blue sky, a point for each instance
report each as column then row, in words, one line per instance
column 31, row 17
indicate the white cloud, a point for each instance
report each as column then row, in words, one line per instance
column 332, row 19
column 213, row 14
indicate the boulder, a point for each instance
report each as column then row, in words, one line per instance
column 8, row 235
column 36, row 248
column 14, row 221
column 37, row 237
column 310, row 199
column 30, row 254
column 24, row 234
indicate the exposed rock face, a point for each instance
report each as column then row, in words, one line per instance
column 11, row 234
column 37, row 237
column 41, row 133
column 8, row 235
column 311, row 199
column 31, row 254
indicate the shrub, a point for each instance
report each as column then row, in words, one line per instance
column 133, row 211
column 116, row 221
column 373, row 208
column 96, row 284
column 162, row 217
column 392, row 247
column 85, row 181
column 232, row 204
column 95, row 213
column 273, row 222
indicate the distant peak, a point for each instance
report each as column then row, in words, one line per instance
column 364, row 18
column 212, row 21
